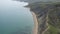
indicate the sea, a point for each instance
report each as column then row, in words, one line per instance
column 14, row 18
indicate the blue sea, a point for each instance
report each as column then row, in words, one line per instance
column 14, row 18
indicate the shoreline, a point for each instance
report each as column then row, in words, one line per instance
column 35, row 28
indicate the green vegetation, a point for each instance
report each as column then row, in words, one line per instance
column 53, row 30
column 53, row 15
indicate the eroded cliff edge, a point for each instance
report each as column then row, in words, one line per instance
column 48, row 16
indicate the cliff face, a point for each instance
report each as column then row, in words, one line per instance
column 48, row 16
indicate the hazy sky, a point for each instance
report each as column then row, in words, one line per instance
column 10, row 2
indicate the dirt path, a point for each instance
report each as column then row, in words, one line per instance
column 46, row 29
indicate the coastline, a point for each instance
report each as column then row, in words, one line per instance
column 35, row 28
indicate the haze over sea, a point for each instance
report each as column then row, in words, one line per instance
column 14, row 18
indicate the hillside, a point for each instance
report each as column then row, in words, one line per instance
column 47, row 13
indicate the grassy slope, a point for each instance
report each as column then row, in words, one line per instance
column 53, row 30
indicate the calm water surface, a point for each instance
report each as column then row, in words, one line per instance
column 14, row 18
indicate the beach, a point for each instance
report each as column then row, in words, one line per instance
column 35, row 29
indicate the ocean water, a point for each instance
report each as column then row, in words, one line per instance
column 14, row 18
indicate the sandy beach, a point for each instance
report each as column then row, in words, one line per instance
column 35, row 29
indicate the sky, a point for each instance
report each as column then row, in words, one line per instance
column 10, row 2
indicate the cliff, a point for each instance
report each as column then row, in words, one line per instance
column 48, row 16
